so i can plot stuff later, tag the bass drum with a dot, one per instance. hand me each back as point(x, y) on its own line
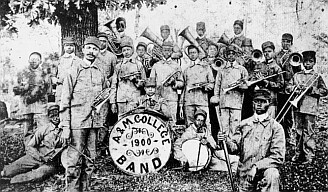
point(140, 143)
point(197, 154)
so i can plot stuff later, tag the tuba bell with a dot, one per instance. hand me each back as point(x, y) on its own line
point(224, 39)
point(257, 55)
point(187, 35)
point(218, 61)
point(295, 59)
point(112, 39)
point(157, 50)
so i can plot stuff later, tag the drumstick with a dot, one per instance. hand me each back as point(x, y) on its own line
point(226, 154)
point(200, 144)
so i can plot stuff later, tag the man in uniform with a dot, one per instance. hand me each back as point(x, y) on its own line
point(42, 154)
point(168, 77)
point(33, 90)
point(65, 64)
point(145, 59)
point(128, 80)
point(165, 34)
point(199, 81)
point(230, 102)
point(238, 27)
point(308, 106)
point(201, 36)
point(260, 142)
point(79, 119)
point(267, 68)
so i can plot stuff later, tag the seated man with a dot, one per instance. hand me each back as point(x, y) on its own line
point(260, 142)
point(197, 130)
point(152, 100)
point(41, 159)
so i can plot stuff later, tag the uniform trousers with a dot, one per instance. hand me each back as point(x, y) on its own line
point(78, 167)
point(230, 119)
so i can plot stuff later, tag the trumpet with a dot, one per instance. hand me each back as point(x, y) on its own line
point(101, 99)
point(233, 85)
point(250, 83)
point(198, 85)
point(299, 97)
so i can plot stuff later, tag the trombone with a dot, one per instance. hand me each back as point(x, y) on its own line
point(296, 100)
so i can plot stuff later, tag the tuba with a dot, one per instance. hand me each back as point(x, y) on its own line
point(157, 50)
point(257, 55)
point(218, 62)
point(295, 59)
point(187, 35)
point(112, 39)
point(224, 39)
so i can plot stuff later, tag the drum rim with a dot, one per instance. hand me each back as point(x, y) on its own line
point(208, 151)
point(170, 136)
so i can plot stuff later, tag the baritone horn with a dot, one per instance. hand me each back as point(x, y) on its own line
point(257, 55)
point(112, 38)
point(187, 35)
point(224, 39)
point(295, 59)
point(158, 43)
point(218, 61)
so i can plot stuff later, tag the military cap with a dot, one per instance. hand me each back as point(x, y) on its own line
point(102, 34)
point(287, 36)
point(200, 112)
point(52, 106)
point(247, 42)
point(233, 47)
point(167, 44)
point(127, 42)
point(200, 25)
point(150, 82)
point(68, 40)
point(92, 40)
point(308, 54)
point(164, 27)
point(268, 44)
point(261, 94)
point(142, 44)
point(240, 23)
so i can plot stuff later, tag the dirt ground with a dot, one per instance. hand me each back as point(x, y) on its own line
point(294, 176)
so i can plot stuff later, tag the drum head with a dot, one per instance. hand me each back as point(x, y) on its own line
point(140, 144)
point(190, 149)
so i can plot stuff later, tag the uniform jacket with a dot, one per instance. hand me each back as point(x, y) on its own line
point(283, 62)
point(203, 42)
point(275, 84)
point(108, 62)
point(126, 90)
point(160, 71)
point(82, 84)
point(198, 72)
point(226, 75)
point(190, 133)
point(309, 104)
point(238, 40)
point(45, 142)
point(154, 102)
point(259, 143)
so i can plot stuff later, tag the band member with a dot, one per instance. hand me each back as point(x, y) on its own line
point(145, 59)
point(152, 100)
point(201, 36)
point(79, 119)
point(197, 130)
point(199, 81)
point(33, 91)
point(128, 79)
point(42, 154)
point(108, 58)
point(266, 68)
point(260, 143)
point(238, 27)
point(65, 64)
point(165, 34)
point(168, 77)
point(282, 58)
point(313, 87)
point(230, 102)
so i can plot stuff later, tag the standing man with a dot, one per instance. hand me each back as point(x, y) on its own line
point(260, 143)
point(128, 80)
point(269, 67)
point(79, 119)
point(145, 59)
point(168, 77)
point(165, 34)
point(229, 103)
point(239, 37)
point(64, 65)
point(33, 88)
point(199, 81)
point(201, 36)
point(308, 107)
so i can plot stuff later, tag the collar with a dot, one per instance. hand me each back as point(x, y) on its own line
point(87, 64)
point(261, 118)
point(103, 51)
point(126, 60)
point(168, 61)
point(239, 35)
point(308, 71)
point(67, 55)
point(202, 37)
point(196, 62)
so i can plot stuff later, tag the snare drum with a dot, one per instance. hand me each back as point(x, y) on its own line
point(191, 148)
point(140, 143)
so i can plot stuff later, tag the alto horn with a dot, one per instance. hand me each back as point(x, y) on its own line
point(187, 35)
point(152, 37)
point(295, 59)
point(257, 55)
point(224, 39)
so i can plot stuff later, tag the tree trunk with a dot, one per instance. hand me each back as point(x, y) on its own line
point(78, 22)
